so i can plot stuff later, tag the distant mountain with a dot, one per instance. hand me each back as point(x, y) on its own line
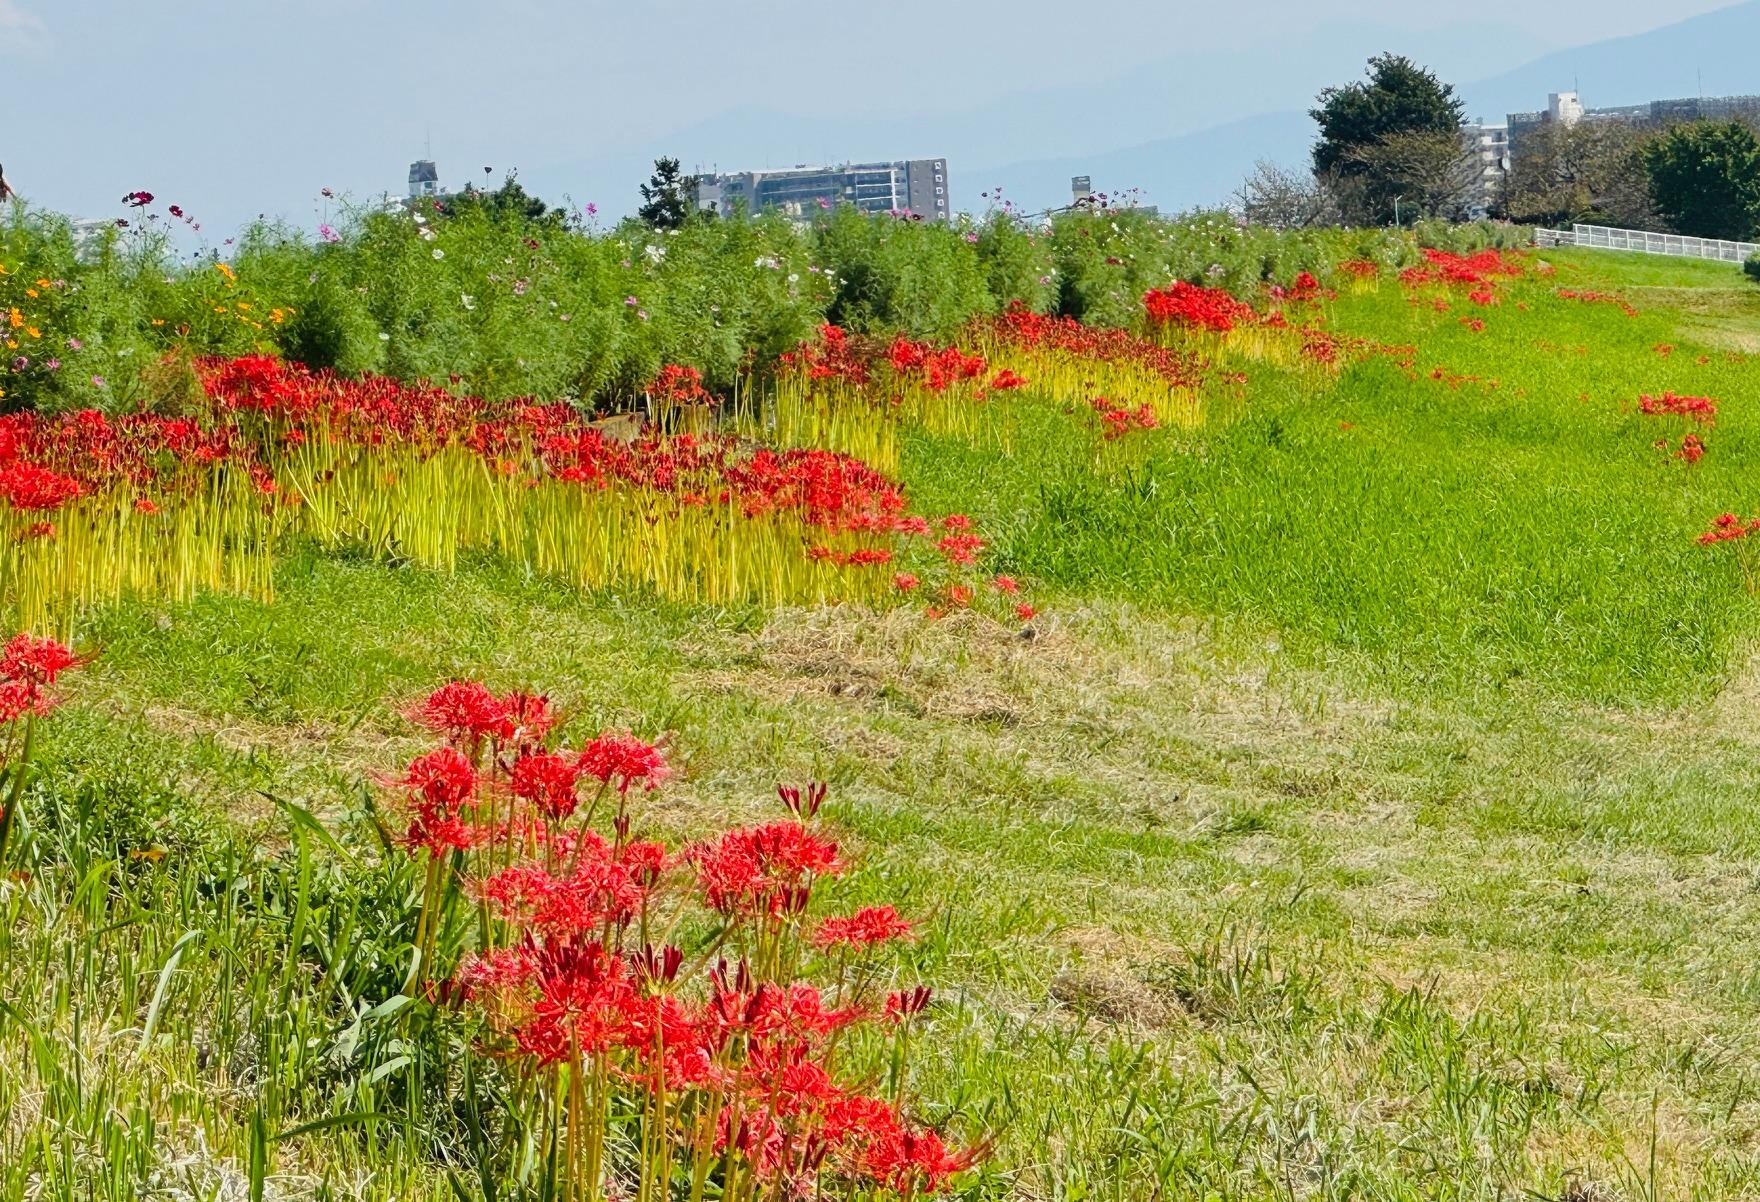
point(1204, 168)
point(1720, 48)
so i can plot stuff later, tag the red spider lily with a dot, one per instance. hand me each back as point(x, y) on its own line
point(464, 712)
point(1025, 612)
point(1021, 329)
point(679, 385)
point(1727, 527)
point(1692, 449)
point(961, 548)
point(625, 760)
point(1702, 410)
point(905, 582)
point(37, 661)
point(598, 892)
point(866, 928)
point(1305, 289)
point(1486, 267)
point(29, 666)
point(1597, 298)
point(28, 487)
point(907, 1003)
point(1200, 308)
point(766, 870)
point(1116, 420)
point(598, 1020)
point(530, 716)
point(548, 781)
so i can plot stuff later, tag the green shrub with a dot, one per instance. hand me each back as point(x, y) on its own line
point(1752, 266)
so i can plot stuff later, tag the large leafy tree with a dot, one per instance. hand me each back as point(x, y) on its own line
point(1370, 129)
point(1705, 179)
point(666, 203)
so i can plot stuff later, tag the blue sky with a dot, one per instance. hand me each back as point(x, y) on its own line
point(239, 106)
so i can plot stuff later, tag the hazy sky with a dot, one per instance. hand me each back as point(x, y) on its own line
point(232, 98)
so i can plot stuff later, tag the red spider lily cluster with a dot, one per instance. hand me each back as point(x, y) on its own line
point(668, 992)
point(1690, 451)
point(201, 500)
point(1697, 409)
point(1477, 271)
point(1589, 297)
point(30, 667)
point(1195, 307)
point(1063, 342)
point(832, 357)
point(537, 442)
point(279, 447)
point(1728, 527)
point(1116, 420)
point(1362, 269)
point(677, 384)
point(1304, 289)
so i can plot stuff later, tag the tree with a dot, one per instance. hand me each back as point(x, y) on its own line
point(1281, 199)
point(1354, 157)
point(1587, 171)
point(1705, 179)
point(508, 204)
point(666, 202)
point(1429, 173)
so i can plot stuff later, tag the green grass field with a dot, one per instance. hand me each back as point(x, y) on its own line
point(1368, 814)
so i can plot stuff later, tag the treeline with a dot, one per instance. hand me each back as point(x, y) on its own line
point(508, 299)
point(1391, 147)
point(1700, 177)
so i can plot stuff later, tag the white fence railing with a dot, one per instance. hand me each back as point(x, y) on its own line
point(1607, 238)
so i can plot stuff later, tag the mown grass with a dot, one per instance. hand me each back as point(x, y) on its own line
point(1370, 815)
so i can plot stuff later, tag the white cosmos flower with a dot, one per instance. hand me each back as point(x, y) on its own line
point(438, 253)
point(468, 301)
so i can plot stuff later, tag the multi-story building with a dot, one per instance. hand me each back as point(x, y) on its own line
point(915, 186)
point(1487, 150)
point(424, 179)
